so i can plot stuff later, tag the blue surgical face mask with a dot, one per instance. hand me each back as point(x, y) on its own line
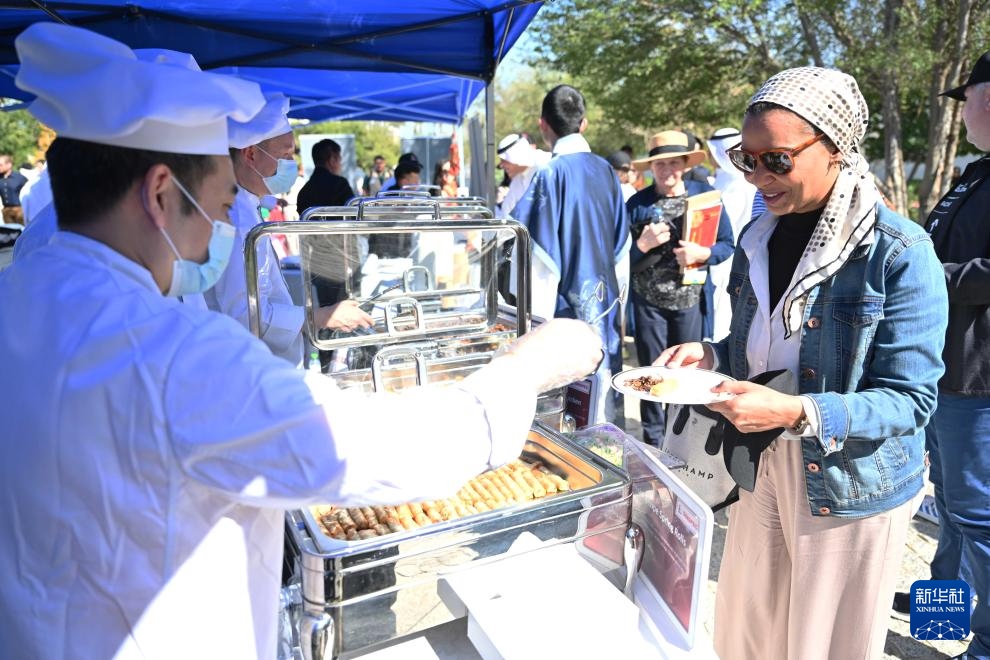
point(286, 172)
point(189, 277)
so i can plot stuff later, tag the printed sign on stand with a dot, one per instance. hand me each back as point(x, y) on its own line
point(677, 528)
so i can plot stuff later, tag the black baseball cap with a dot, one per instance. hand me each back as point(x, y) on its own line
point(619, 160)
point(980, 73)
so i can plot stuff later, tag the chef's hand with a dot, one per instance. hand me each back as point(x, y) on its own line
point(691, 355)
point(691, 254)
point(757, 408)
point(345, 315)
point(555, 354)
point(653, 235)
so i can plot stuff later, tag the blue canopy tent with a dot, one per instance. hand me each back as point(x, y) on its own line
point(335, 59)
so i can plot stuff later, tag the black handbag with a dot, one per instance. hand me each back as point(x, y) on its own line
point(720, 459)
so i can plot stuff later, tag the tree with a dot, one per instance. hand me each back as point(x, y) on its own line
point(682, 63)
point(19, 135)
point(698, 61)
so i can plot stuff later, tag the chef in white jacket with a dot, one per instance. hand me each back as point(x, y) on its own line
point(150, 446)
point(261, 153)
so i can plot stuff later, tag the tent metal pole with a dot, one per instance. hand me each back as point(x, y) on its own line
point(491, 192)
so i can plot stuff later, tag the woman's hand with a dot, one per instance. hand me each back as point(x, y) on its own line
point(691, 254)
point(689, 355)
point(346, 315)
point(654, 235)
point(757, 408)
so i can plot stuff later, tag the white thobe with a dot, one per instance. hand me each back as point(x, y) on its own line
point(517, 188)
point(149, 449)
point(281, 319)
point(737, 197)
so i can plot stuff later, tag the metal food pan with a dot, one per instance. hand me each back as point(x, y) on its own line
point(582, 470)
point(355, 588)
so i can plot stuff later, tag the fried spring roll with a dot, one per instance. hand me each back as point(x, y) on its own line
point(504, 477)
point(548, 485)
point(472, 494)
point(334, 530)
point(382, 512)
point(369, 515)
point(358, 517)
point(367, 534)
point(534, 483)
point(524, 485)
point(433, 513)
point(408, 523)
point(352, 534)
point(561, 483)
point(421, 519)
point(345, 520)
point(403, 511)
point(324, 510)
point(397, 526)
point(447, 510)
point(380, 529)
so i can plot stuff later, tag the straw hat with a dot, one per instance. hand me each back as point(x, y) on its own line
point(670, 144)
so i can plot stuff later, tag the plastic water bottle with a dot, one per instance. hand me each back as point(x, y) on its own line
point(314, 362)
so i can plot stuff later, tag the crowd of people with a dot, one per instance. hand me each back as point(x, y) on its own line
point(146, 422)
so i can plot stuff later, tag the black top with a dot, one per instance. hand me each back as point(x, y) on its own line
point(785, 248)
point(324, 188)
point(656, 276)
point(961, 233)
point(10, 188)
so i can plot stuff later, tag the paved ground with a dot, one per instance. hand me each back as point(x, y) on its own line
point(921, 543)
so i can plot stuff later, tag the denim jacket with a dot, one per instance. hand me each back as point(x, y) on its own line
point(870, 359)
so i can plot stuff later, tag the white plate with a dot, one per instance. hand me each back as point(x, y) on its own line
point(693, 385)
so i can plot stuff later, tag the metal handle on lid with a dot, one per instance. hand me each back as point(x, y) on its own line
point(386, 355)
point(392, 311)
point(407, 278)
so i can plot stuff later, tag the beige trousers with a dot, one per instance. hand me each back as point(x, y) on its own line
point(793, 586)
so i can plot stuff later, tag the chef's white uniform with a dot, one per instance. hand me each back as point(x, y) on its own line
point(149, 448)
point(281, 320)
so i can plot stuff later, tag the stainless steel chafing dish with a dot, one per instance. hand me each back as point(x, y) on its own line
point(350, 587)
point(424, 333)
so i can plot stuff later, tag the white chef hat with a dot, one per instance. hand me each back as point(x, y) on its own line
point(166, 56)
point(92, 88)
point(270, 122)
point(517, 150)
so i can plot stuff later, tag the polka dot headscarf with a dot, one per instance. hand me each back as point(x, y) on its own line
point(827, 98)
point(832, 102)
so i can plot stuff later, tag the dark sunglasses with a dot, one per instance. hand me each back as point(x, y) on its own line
point(778, 161)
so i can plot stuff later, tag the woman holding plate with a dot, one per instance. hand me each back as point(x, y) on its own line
point(850, 298)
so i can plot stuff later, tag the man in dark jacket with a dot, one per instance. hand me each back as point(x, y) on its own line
point(334, 261)
point(958, 437)
point(325, 187)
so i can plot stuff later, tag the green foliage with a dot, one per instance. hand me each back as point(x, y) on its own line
point(694, 63)
point(371, 137)
point(683, 63)
point(19, 133)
